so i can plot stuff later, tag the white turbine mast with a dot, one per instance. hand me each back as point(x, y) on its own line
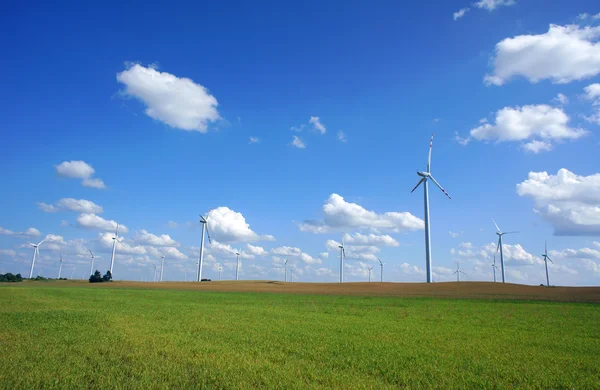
point(112, 258)
point(546, 259)
point(494, 267)
point(92, 265)
point(154, 278)
point(500, 233)
point(36, 252)
point(285, 267)
point(342, 257)
point(237, 267)
point(219, 268)
point(458, 272)
point(381, 265)
point(204, 222)
point(162, 267)
point(425, 177)
point(292, 274)
point(370, 271)
point(60, 266)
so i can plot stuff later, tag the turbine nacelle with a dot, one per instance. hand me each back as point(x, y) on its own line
point(423, 174)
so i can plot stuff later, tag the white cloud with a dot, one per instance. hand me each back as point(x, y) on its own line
point(324, 255)
point(569, 202)
point(561, 99)
point(466, 245)
point(341, 215)
point(341, 136)
point(318, 126)
point(254, 140)
point(146, 238)
point(78, 169)
point(592, 93)
point(48, 208)
point(298, 129)
point(462, 141)
point(178, 102)
point(491, 5)
point(30, 232)
point(370, 239)
point(168, 252)
point(80, 206)
point(93, 221)
point(562, 55)
point(227, 225)
point(105, 241)
point(285, 251)
point(297, 142)
point(585, 16)
point(538, 123)
point(7, 252)
point(64, 223)
point(460, 13)
point(454, 234)
point(256, 250)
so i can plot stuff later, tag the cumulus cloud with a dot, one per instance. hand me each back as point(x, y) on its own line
point(491, 5)
point(71, 204)
point(30, 232)
point(317, 125)
point(540, 124)
point(177, 101)
point(93, 221)
point(341, 215)
point(146, 238)
point(563, 54)
point(168, 252)
point(105, 241)
point(78, 169)
point(227, 225)
point(592, 93)
point(287, 251)
point(561, 99)
point(460, 13)
point(297, 142)
point(370, 239)
point(256, 250)
point(569, 202)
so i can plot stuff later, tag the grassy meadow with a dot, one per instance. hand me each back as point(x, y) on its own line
point(57, 336)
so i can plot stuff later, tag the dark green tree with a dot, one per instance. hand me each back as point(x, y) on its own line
point(96, 277)
point(107, 277)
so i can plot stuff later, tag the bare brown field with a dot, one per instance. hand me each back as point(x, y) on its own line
point(470, 290)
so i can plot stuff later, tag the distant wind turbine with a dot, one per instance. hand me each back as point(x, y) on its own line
point(425, 177)
point(370, 271)
point(237, 268)
point(458, 272)
point(204, 222)
point(154, 278)
point(546, 259)
point(292, 274)
point(381, 265)
point(60, 267)
point(92, 266)
point(115, 240)
point(219, 268)
point(499, 247)
point(162, 267)
point(342, 256)
point(36, 252)
point(285, 264)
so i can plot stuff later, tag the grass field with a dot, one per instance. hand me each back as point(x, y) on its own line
point(66, 335)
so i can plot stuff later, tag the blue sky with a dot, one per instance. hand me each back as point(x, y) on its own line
point(182, 109)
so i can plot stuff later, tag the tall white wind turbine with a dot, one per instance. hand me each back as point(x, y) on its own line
point(500, 233)
point(370, 271)
point(458, 272)
point(285, 267)
point(237, 267)
point(546, 259)
point(36, 252)
point(342, 256)
point(425, 177)
point(60, 267)
point(112, 257)
point(162, 267)
point(92, 265)
point(204, 222)
point(381, 265)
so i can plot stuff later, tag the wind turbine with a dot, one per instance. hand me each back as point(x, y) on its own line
point(115, 240)
point(494, 267)
point(219, 268)
point(237, 268)
point(204, 222)
point(370, 270)
point(425, 176)
point(292, 272)
point(500, 234)
point(458, 272)
point(342, 256)
point(36, 251)
point(60, 267)
point(154, 278)
point(162, 267)
point(92, 266)
point(285, 264)
point(546, 258)
point(381, 265)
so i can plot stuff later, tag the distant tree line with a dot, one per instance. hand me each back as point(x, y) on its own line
point(98, 278)
point(11, 277)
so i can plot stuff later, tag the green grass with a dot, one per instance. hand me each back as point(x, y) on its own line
point(76, 337)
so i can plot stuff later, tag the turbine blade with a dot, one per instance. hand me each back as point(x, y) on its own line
point(509, 232)
point(40, 243)
point(440, 187)
point(32, 244)
point(208, 234)
point(429, 158)
point(497, 248)
point(418, 184)
point(497, 228)
point(549, 259)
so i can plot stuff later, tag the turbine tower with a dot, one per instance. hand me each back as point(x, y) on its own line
point(204, 222)
point(237, 268)
point(36, 252)
point(370, 271)
point(458, 272)
point(162, 267)
point(292, 274)
point(494, 267)
point(285, 267)
point(115, 240)
point(342, 256)
point(381, 265)
point(92, 266)
point(425, 177)
point(546, 259)
point(154, 278)
point(499, 247)
point(60, 267)
point(219, 268)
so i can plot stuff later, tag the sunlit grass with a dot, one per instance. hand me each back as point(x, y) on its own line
point(76, 337)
